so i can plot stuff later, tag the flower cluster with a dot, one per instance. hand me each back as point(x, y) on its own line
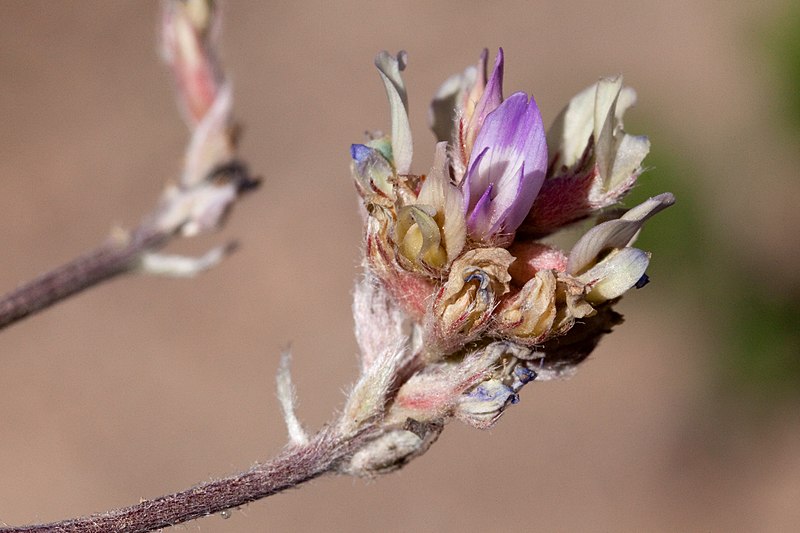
point(465, 297)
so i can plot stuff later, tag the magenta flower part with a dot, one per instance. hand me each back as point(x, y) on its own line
point(506, 169)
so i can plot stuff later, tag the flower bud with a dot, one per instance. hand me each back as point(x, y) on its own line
point(482, 101)
point(603, 260)
point(529, 314)
point(374, 175)
point(506, 169)
point(431, 233)
point(456, 98)
point(483, 405)
point(391, 451)
point(464, 304)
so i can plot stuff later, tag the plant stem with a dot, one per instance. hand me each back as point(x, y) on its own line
point(114, 257)
point(294, 466)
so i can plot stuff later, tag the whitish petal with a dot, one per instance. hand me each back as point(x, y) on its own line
point(446, 199)
point(614, 233)
point(572, 128)
point(584, 116)
point(614, 275)
point(484, 404)
point(418, 237)
point(390, 68)
point(630, 152)
point(447, 101)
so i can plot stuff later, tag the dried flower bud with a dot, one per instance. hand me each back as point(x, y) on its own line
point(465, 303)
point(571, 303)
point(529, 314)
point(484, 404)
point(391, 451)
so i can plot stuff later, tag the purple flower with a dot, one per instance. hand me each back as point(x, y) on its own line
point(506, 169)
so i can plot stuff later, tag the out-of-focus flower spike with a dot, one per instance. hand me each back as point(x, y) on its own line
point(212, 144)
point(614, 233)
point(189, 32)
point(618, 272)
point(389, 67)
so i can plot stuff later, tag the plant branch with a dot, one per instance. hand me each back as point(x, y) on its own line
point(294, 466)
point(211, 181)
point(114, 257)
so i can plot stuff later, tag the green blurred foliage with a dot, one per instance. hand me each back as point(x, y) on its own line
point(752, 321)
point(781, 39)
point(754, 329)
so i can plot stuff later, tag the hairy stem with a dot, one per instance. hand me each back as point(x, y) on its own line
point(294, 466)
point(114, 257)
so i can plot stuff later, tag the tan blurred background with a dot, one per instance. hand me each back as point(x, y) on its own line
point(685, 419)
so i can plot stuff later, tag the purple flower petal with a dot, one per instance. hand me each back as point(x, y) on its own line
point(480, 219)
point(510, 155)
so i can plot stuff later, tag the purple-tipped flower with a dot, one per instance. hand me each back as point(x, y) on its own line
point(506, 169)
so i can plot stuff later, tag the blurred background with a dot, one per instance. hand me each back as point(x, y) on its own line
point(685, 419)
